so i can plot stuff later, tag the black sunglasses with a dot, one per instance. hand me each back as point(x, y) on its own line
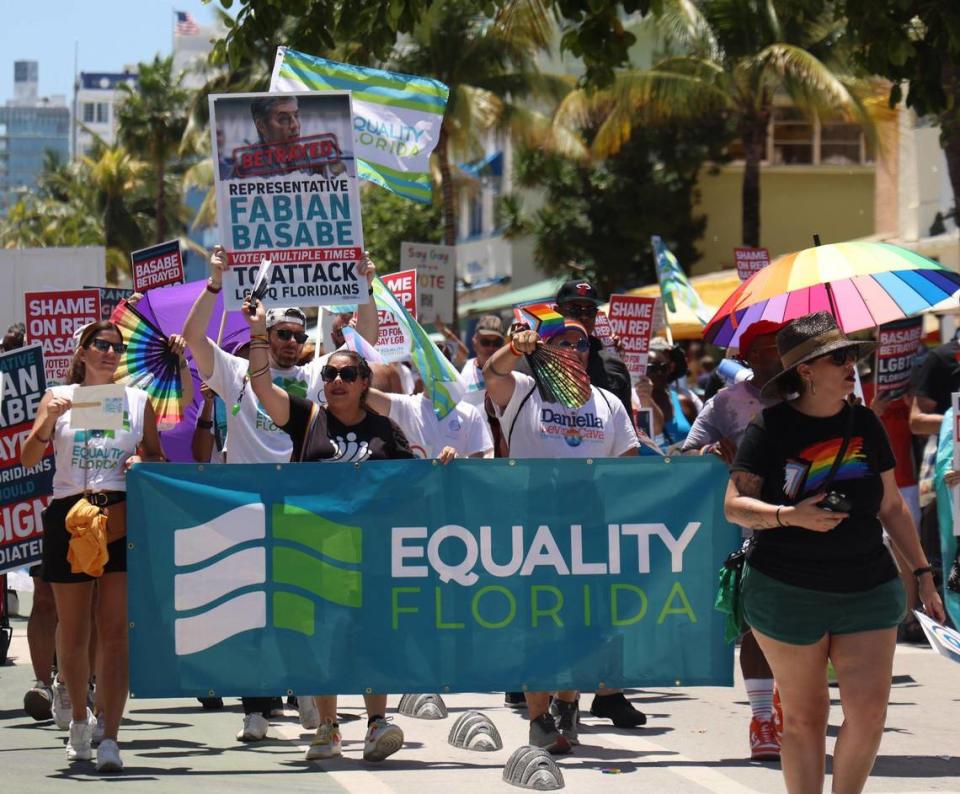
point(575, 310)
point(488, 341)
point(347, 374)
point(104, 346)
point(842, 356)
point(657, 367)
point(285, 335)
point(581, 345)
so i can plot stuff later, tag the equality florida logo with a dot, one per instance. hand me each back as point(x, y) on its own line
point(232, 575)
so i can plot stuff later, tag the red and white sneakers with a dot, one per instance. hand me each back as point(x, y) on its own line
point(764, 740)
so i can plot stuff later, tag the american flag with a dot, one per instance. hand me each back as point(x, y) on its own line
point(186, 24)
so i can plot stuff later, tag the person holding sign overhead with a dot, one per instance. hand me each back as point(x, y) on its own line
point(91, 465)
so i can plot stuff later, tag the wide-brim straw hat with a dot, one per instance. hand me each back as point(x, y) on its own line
point(807, 338)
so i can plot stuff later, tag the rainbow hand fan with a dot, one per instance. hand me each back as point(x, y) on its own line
point(150, 365)
point(559, 375)
point(541, 317)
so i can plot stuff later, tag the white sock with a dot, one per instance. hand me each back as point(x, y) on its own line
point(760, 694)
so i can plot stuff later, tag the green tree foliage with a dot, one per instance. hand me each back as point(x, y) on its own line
point(601, 215)
point(389, 220)
point(915, 43)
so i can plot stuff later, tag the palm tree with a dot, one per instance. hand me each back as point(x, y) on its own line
point(488, 67)
point(151, 124)
point(734, 56)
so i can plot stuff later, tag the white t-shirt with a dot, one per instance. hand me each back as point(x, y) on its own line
point(464, 428)
point(252, 437)
point(474, 387)
point(601, 428)
point(93, 459)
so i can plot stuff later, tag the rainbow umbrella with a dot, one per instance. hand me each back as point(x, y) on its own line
point(863, 285)
point(150, 365)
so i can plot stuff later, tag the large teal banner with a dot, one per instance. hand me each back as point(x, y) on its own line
point(405, 576)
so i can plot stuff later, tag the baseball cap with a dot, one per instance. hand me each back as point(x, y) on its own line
point(289, 315)
point(759, 328)
point(578, 289)
point(489, 325)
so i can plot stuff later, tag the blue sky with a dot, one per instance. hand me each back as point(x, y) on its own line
point(110, 33)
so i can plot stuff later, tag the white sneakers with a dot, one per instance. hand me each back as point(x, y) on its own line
point(81, 736)
point(383, 739)
point(309, 713)
point(254, 728)
point(326, 744)
point(62, 707)
point(108, 756)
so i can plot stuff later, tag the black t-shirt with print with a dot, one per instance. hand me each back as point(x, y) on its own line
point(793, 453)
point(327, 439)
point(939, 375)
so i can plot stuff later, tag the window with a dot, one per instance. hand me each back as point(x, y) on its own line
point(840, 144)
point(476, 215)
point(103, 112)
point(793, 137)
point(88, 111)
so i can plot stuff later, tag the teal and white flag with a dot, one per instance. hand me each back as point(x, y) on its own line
point(396, 117)
point(674, 286)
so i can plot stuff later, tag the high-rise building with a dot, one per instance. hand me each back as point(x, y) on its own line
point(95, 104)
point(30, 127)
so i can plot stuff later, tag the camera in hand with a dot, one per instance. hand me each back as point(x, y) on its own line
point(835, 503)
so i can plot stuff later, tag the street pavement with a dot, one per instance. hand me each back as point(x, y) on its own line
point(695, 742)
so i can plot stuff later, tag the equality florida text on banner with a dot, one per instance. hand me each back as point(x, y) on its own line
point(397, 117)
point(23, 492)
point(286, 185)
point(479, 576)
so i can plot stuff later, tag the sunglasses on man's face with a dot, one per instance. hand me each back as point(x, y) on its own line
point(575, 310)
point(285, 335)
point(581, 345)
point(347, 374)
point(490, 341)
point(842, 357)
point(657, 368)
point(104, 346)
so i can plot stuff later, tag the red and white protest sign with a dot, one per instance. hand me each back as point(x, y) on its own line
point(602, 330)
point(632, 319)
point(897, 346)
point(750, 261)
point(157, 266)
point(51, 319)
point(392, 343)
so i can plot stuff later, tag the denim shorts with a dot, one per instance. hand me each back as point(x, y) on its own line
point(800, 616)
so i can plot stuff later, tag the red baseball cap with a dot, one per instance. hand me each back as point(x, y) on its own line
point(759, 328)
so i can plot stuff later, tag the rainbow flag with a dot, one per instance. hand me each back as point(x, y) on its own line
point(541, 317)
point(441, 381)
point(396, 117)
point(674, 286)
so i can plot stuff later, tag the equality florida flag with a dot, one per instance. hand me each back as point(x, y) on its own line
point(397, 117)
point(674, 287)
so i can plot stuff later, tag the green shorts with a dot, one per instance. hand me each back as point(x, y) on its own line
point(800, 616)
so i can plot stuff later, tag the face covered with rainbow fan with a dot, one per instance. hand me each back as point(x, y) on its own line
point(573, 338)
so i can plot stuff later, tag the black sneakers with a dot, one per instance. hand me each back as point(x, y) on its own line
point(618, 709)
point(953, 580)
point(544, 734)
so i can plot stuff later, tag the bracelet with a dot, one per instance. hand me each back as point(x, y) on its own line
point(779, 522)
point(261, 337)
point(370, 290)
point(264, 368)
point(213, 290)
point(921, 571)
point(43, 440)
point(205, 424)
point(514, 350)
point(493, 369)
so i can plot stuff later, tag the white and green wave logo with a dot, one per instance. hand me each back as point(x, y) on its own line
point(223, 584)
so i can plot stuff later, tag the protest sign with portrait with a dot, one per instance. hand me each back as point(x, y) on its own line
point(286, 186)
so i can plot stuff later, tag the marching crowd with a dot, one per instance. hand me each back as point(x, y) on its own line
point(827, 489)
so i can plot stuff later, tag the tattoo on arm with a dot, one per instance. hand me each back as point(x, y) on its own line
point(747, 509)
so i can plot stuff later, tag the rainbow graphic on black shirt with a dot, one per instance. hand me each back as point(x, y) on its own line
point(821, 456)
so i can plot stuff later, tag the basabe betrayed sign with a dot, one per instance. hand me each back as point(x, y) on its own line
point(632, 318)
point(157, 266)
point(589, 572)
point(23, 492)
point(52, 318)
point(286, 187)
point(898, 344)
